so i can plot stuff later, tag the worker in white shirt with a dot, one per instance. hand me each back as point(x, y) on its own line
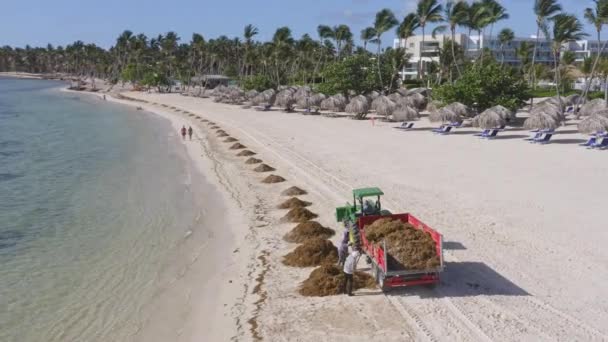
point(350, 266)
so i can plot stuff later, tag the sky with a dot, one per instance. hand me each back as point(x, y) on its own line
point(60, 22)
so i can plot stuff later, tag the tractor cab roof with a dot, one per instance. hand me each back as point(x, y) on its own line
point(367, 192)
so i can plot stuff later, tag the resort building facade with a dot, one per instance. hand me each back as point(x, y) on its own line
point(473, 45)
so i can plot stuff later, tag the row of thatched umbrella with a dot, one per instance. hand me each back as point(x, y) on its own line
point(403, 104)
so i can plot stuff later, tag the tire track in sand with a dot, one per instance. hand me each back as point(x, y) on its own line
point(414, 318)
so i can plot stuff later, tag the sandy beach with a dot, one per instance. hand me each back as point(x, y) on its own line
point(521, 223)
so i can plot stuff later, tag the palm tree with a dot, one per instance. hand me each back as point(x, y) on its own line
point(282, 42)
point(456, 13)
point(566, 28)
point(385, 20)
point(544, 9)
point(505, 36)
point(342, 35)
point(524, 53)
point(427, 11)
point(367, 34)
point(597, 17)
point(496, 12)
point(479, 19)
point(249, 32)
point(406, 30)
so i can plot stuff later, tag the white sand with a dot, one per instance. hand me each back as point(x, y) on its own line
point(524, 228)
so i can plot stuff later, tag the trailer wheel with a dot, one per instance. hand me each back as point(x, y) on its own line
point(383, 287)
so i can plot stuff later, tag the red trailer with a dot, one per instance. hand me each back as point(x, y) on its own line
point(389, 278)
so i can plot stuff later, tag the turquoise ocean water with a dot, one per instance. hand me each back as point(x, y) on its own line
point(96, 200)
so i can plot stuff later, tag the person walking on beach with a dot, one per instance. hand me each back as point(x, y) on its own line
point(184, 132)
point(350, 267)
point(190, 132)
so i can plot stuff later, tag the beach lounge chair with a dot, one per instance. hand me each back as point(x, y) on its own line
point(491, 134)
point(482, 134)
point(405, 125)
point(538, 133)
point(443, 130)
point(600, 144)
point(592, 140)
point(544, 139)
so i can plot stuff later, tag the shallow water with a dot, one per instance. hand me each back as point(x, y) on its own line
point(96, 202)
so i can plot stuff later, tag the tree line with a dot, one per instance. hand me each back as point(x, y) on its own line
point(308, 60)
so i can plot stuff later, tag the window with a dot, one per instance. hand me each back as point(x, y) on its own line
point(411, 45)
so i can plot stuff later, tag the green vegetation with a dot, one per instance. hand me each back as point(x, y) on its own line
point(550, 92)
point(484, 86)
point(257, 82)
point(357, 73)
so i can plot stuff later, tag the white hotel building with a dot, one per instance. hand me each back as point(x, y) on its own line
point(474, 44)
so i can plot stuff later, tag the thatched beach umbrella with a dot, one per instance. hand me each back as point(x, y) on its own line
point(336, 103)
point(592, 106)
point(541, 121)
point(302, 92)
point(402, 91)
point(235, 95)
point(488, 119)
point(405, 114)
point(422, 91)
point(251, 94)
point(286, 99)
point(433, 106)
point(318, 97)
point(267, 97)
point(395, 97)
point(418, 100)
point(445, 114)
point(380, 100)
point(313, 100)
point(358, 105)
point(383, 106)
point(373, 95)
point(504, 112)
point(550, 109)
point(460, 109)
point(593, 123)
point(603, 112)
point(406, 102)
point(559, 102)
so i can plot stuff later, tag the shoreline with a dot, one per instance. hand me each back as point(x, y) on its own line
point(211, 291)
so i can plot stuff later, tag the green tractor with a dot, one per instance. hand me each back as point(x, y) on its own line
point(366, 202)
